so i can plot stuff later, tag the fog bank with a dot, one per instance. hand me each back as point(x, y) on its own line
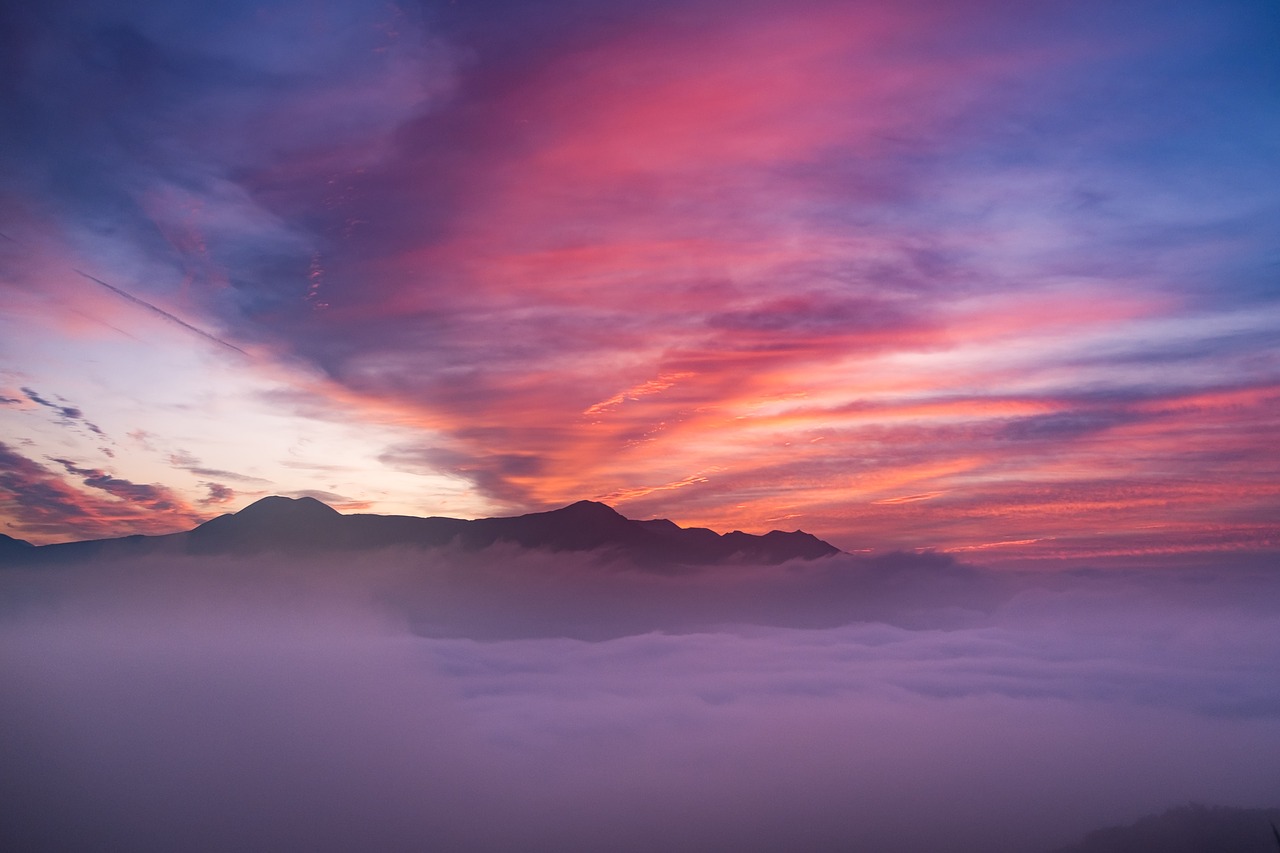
point(508, 700)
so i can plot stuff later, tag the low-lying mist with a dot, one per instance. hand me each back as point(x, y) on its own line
point(508, 700)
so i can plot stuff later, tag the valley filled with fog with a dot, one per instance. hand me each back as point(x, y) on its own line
point(509, 699)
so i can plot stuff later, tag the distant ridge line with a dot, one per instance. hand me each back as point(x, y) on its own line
point(309, 526)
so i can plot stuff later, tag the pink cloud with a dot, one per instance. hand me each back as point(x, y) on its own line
point(43, 506)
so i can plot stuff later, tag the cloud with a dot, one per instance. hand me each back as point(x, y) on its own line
point(660, 217)
point(500, 475)
point(529, 596)
point(36, 398)
point(68, 414)
point(162, 313)
point(43, 505)
point(187, 462)
point(828, 255)
point(153, 497)
point(1061, 426)
point(257, 704)
point(218, 494)
point(644, 389)
point(34, 495)
point(342, 503)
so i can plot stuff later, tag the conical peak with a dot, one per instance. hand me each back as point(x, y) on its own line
point(277, 506)
point(589, 509)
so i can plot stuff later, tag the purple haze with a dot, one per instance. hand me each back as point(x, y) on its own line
point(252, 705)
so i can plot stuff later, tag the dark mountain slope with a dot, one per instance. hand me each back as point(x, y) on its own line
point(16, 547)
point(305, 525)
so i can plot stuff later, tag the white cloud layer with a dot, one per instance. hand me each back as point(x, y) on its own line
point(257, 706)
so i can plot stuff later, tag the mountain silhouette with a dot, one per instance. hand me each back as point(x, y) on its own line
point(308, 526)
point(10, 546)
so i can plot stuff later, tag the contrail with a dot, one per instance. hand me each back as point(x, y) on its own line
point(165, 314)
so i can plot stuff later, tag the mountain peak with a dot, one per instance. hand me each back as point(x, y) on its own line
point(302, 521)
point(280, 507)
point(589, 509)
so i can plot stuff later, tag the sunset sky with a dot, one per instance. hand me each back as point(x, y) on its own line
point(1000, 279)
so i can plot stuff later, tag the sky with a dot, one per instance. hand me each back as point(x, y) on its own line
point(996, 279)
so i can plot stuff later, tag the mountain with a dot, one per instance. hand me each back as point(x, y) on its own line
point(1189, 829)
point(10, 546)
point(305, 525)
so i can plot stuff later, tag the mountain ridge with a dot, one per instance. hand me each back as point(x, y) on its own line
point(309, 526)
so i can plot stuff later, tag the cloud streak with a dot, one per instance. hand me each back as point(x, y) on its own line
point(160, 312)
point(68, 414)
point(153, 497)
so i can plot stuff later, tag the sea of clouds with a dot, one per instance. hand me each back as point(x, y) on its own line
point(522, 701)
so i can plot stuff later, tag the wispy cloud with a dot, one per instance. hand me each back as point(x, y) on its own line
point(44, 505)
point(840, 254)
point(187, 462)
point(153, 497)
point(218, 494)
point(68, 414)
point(160, 312)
